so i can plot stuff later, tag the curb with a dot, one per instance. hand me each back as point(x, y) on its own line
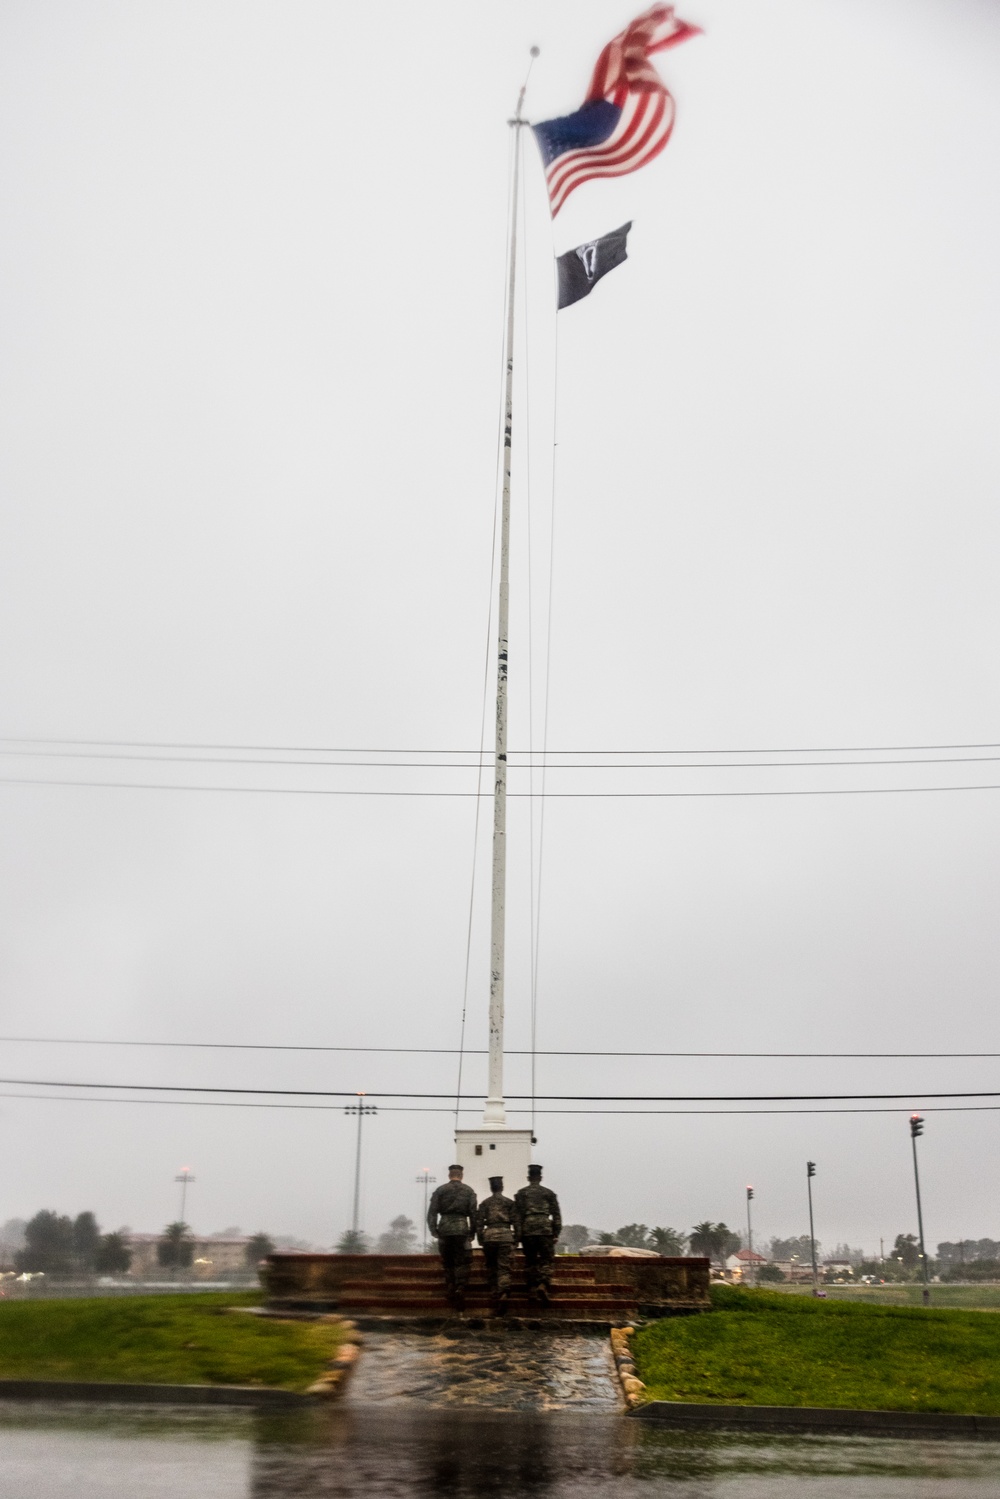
point(149, 1394)
point(332, 1381)
point(340, 1367)
point(819, 1419)
point(632, 1385)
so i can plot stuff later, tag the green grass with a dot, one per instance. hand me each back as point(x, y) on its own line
point(983, 1298)
point(161, 1340)
point(764, 1348)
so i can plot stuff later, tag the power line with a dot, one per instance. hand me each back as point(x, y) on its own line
point(336, 1108)
point(35, 1082)
point(451, 1051)
point(464, 795)
point(533, 763)
point(307, 749)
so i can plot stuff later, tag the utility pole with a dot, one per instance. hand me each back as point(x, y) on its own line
point(426, 1178)
point(184, 1178)
point(361, 1109)
point(810, 1173)
point(750, 1269)
point(917, 1129)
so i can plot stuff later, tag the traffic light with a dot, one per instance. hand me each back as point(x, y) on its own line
point(749, 1193)
point(810, 1168)
point(916, 1126)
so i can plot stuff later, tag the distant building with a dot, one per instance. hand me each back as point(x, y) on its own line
point(834, 1268)
point(796, 1269)
point(213, 1258)
point(743, 1263)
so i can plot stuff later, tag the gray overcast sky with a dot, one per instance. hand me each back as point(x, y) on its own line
point(252, 270)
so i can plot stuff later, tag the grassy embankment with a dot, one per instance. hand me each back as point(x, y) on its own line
point(161, 1340)
point(759, 1348)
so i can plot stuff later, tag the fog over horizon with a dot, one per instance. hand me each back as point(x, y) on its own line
point(251, 303)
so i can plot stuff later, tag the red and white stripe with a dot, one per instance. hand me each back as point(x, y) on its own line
point(625, 77)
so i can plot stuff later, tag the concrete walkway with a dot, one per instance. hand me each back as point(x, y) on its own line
point(502, 1370)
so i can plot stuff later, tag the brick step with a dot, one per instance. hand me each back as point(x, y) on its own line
point(393, 1277)
point(434, 1270)
point(420, 1263)
point(560, 1316)
point(615, 1295)
point(477, 1277)
point(369, 1296)
point(585, 1311)
point(473, 1297)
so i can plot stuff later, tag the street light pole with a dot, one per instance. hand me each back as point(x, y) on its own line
point(426, 1178)
point(917, 1129)
point(184, 1177)
point(750, 1269)
point(810, 1173)
point(361, 1109)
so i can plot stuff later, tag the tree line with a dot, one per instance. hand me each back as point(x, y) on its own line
point(55, 1244)
point(715, 1240)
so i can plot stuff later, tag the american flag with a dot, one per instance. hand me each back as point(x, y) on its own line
point(627, 116)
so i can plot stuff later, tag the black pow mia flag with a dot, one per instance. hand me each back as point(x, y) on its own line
point(582, 268)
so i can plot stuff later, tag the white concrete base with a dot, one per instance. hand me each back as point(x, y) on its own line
point(486, 1152)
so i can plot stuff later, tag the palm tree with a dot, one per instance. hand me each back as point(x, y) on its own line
point(726, 1242)
point(715, 1240)
point(258, 1247)
point(702, 1240)
point(175, 1249)
point(666, 1241)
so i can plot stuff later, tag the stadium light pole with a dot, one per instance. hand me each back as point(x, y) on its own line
point(750, 1268)
point(917, 1129)
point(184, 1177)
point(361, 1109)
point(426, 1178)
point(810, 1173)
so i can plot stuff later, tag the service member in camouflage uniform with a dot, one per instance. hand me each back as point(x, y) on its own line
point(496, 1230)
point(451, 1219)
point(539, 1224)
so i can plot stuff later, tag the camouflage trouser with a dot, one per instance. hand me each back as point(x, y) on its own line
point(539, 1252)
point(456, 1257)
point(498, 1258)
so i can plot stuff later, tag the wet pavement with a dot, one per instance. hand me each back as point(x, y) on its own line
point(413, 1453)
point(487, 1413)
point(494, 1369)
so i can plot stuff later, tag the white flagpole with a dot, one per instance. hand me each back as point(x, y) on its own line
point(495, 1112)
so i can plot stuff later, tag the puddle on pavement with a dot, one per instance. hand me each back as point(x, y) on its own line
point(462, 1453)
